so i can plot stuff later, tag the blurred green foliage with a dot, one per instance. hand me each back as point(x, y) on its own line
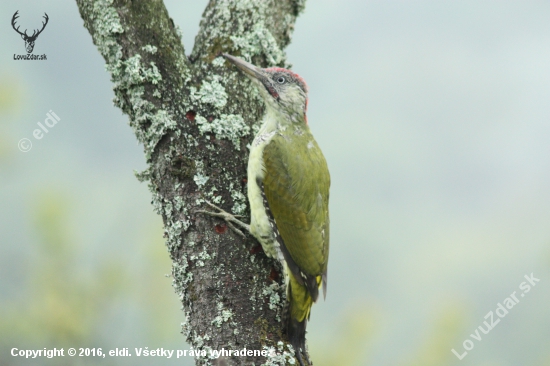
point(69, 303)
point(359, 328)
point(10, 92)
point(62, 307)
point(10, 97)
point(445, 335)
point(349, 344)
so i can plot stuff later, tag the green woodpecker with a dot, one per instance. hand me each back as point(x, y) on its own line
point(288, 190)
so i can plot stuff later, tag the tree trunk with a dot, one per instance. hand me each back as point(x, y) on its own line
point(195, 117)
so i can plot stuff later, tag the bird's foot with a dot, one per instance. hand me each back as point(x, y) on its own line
point(229, 218)
point(298, 352)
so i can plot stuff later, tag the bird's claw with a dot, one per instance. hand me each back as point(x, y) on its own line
point(230, 219)
point(237, 230)
point(299, 354)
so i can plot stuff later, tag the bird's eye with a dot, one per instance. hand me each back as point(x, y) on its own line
point(281, 80)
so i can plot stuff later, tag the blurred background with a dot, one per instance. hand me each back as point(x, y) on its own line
point(434, 117)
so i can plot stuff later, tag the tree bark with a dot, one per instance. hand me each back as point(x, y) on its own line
point(195, 117)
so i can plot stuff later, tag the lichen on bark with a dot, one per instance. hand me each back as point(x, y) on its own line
point(195, 117)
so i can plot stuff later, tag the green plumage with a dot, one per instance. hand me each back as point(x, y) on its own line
point(296, 186)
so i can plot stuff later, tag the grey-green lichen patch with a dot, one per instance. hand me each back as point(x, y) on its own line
point(186, 224)
point(150, 123)
point(202, 351)
point(185, 326)
point(200, 178)
point(168, 208)
point(129, 76)
point(217, 199)
point(278, 356)
point(181, 278)
point(106, 24)
point(210, 93)
point(239, 206)
point(150, 49)
point(227, 126)
point(239, 201)
point(273, 292)
point(259, 40)
point(174, 230)
point(200, 258)
point(245, 26)
point(131, 72)
point(161, 122)
point(179, 32)
point(212, 197)
point(299, 5)
point(218, 62)
point(144, 175)
point(173, 225)
point(180, 205)
point(157, 202)
point(223, 315)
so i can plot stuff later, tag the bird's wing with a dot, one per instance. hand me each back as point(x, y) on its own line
point(296, 187)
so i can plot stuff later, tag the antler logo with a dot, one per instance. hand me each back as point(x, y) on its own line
point(29, 40)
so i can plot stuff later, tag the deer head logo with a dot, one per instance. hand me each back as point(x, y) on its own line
point(29, 40)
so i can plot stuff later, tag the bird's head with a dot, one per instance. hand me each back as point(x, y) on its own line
point(282, 90)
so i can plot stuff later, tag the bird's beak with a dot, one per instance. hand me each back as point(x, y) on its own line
point(249, 69)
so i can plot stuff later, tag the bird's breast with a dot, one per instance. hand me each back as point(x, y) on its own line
point(260, 226)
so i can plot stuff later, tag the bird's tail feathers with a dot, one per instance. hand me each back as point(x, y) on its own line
point(297, 312)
